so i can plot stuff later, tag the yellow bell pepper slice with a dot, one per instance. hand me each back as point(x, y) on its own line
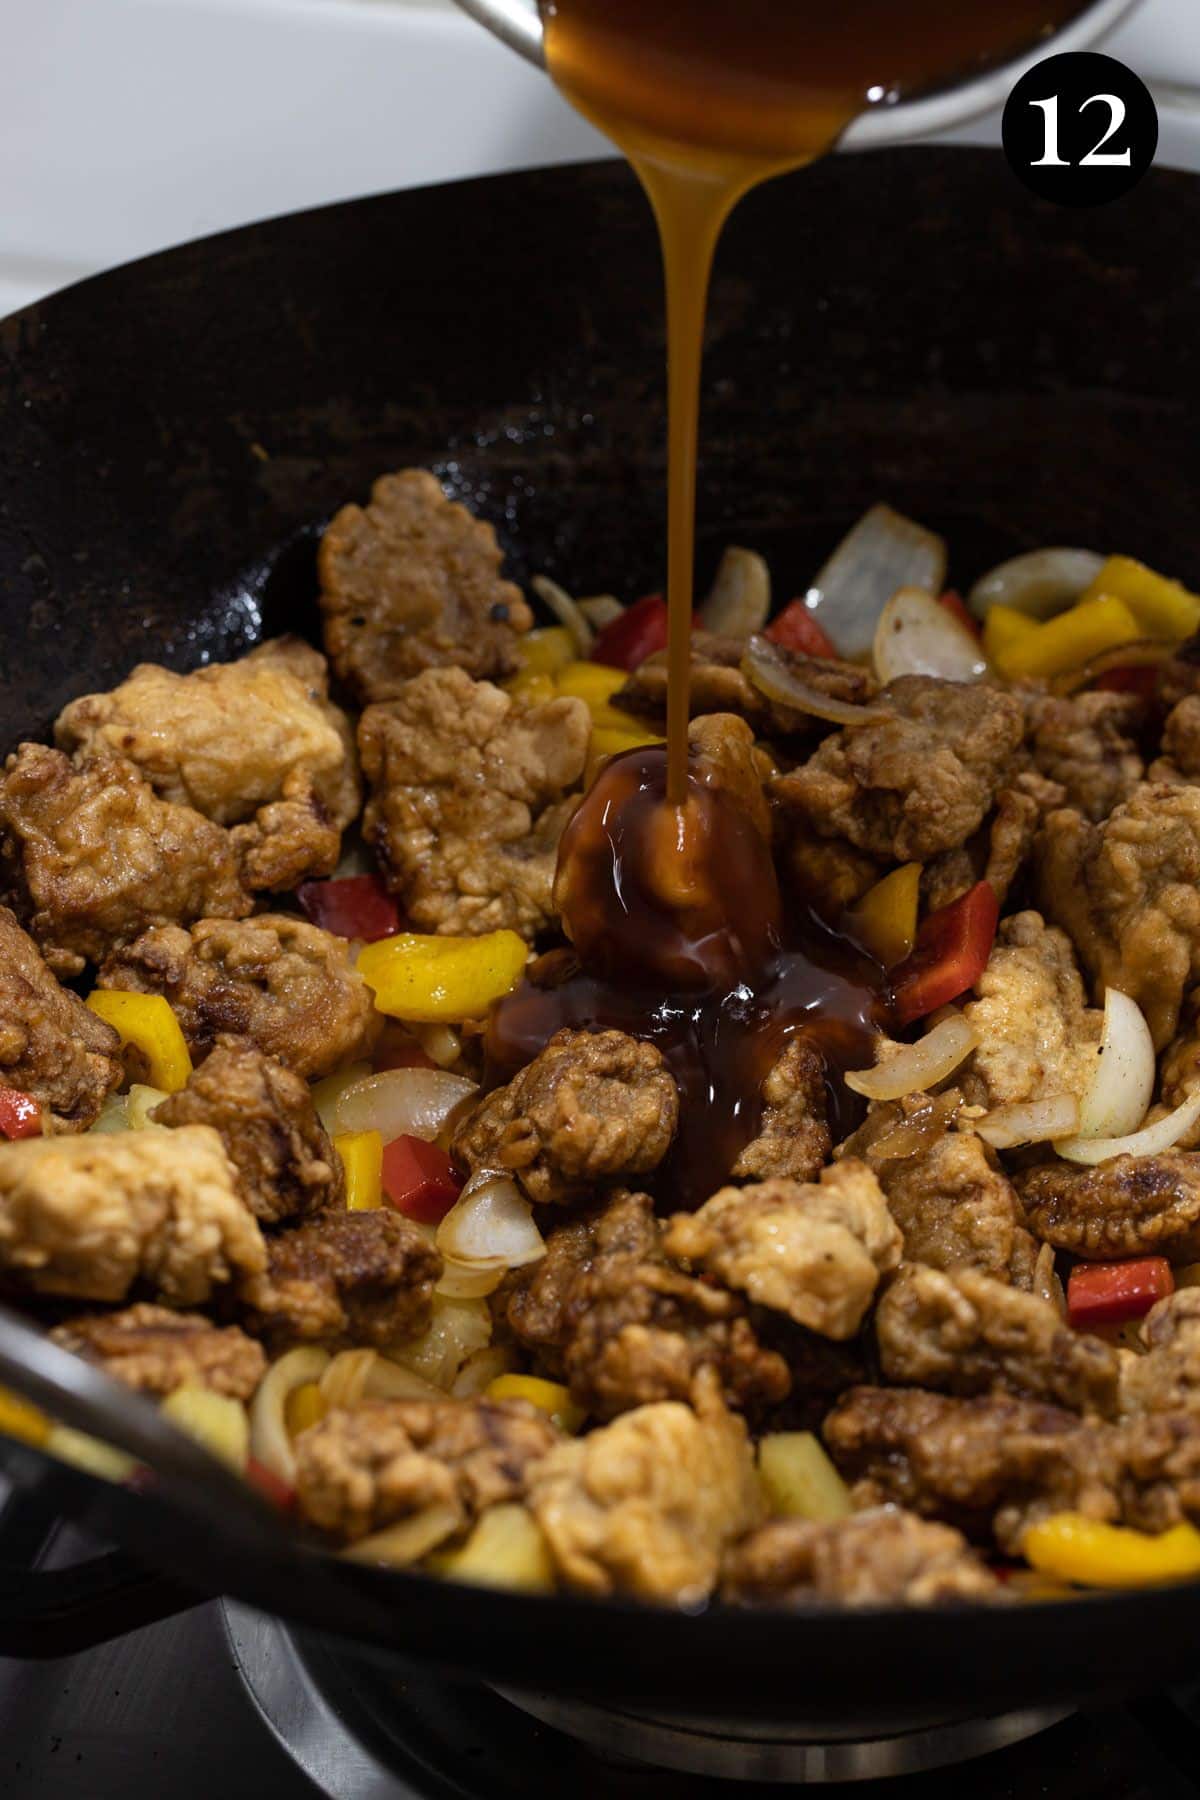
point(799, 1478)
point(546, 650)
point(362, 1159)
point(596, 683)
point(1163, 608)
point(217, 1421)
point(20, 1420)
point(886, 916)
point(1076, 1548)
point(304, 1406)
point(1004, 626)
point(532, 687)
point(147, 1022)
point(1071, 639)
point(442, 980)
point(550, 1396)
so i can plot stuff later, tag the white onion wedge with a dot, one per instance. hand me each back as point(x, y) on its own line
point(567, 612)
point(1119, 1092)
point(327, 1093)
point(406, 1543)
point(883, 552)
point(270, 1439)
point(765, 669)
point(739, 601)
point(1151, 1140)
point(441, 1043)
point(1029, 1122)
point(357, 1375)
point(401, 1103)
point(601, 609)
point(917, 1067)
point(917, 636)
point(469, 1281)
point(491, 1223)
point(481, 1368)
point(457, 1329)
point(1040, 583)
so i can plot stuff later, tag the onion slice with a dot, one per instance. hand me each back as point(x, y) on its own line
point(406, 1543)
point(270, 1439)
point(566, 611)
point(601, 609)
point(765, 668)
point(1162, 1134)
point(491, 1224)
point(1140, 653)
point(917, 1067)
point(469, 1281)
point(916, 636)
point(883, 552)
point(1040, 583)
point(401, 1103)
point(1029, 1121)
point(1119, 1092)
point(739, 601)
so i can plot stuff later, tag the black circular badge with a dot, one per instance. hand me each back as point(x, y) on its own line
point(1080, 129)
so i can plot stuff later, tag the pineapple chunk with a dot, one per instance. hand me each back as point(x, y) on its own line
point(214, 1420)
point(506, 1550)
point(800, 1480)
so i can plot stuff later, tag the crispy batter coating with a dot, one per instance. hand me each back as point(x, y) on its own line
point(51, 1045)
point(1127, 892)
point(288, 986)
point(646, 1505)
point(411, 582)
point(470, 791)
point(288, 841)
point(1088, 744)
point(882, 1557)
point(90, 856)
point(1180, 759)
point(1166, 1375)
point(592, 1107)
point(964, 1333)
point(90, 1217)
point(812, 1250)
point(344, 1278)
point(156, 1350)
point(793, 1138)
point(724, 755)
point(359, 1470)
point(718, 686)
point(285, 1163)
point(1128, 1206)
point(1037, 1035)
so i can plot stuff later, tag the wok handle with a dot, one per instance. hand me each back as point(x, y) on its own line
point(59, 1612)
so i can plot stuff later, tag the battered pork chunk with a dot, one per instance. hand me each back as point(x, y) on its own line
point(1166, 1376)
point(882, 1557)
point(289, 987)
point(91, 1217)
point(1180, 759)
point(1179, 1070)
point(1128, 1206)
point(51, 1045)
point(413, 581)
point(812, 1250)
point(285, 1163)
point(592, 1107)
point(724, 755)
point(288, 841)
point(1088, 744)
point(344, 1278)
point(90, 856)
point(719, 686)
point(909, 787)
point(605, 1310)
point(156, 1350)
point(964, 1333)
point(1127, 892)
point(793, 1138)
point(470, 790)
point(1037, 1035)
point(383, 1461)
point(647, 1505)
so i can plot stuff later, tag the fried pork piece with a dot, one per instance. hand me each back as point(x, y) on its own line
point(1037, 1035)
point(411, 582)
point(90, 856)
point(1166, 1376)
point(289, 841)
point(882, 1557)
point(1088, 744)
point(812, 1250)
point(90, 1217)
point(1180, 1070)
point(156, 1350)
point(724, 756)
point(718, 686)
point(470, 791)
point(1180, 759)
point(1010, 838)
point(828, 873)
point(285, 1163)
point(1128, 1206)
point(646, 1505)
point(592, 1107)
point(793, 1138)
point(383, 1461)
point(912, 786)
point(226, 737)
point(1127, 893)
point(607, 1312)
point(288, 986)
point(351, 1278)
point(963, 1333)
point(953, 1203)
point(51, 1045)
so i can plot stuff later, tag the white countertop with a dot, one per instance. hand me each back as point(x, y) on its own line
point(126, 125)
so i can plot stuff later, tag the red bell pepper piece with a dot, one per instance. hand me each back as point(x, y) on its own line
point(1111, 1293)
point(357, 906)
point(954, 603)
point(270, 1485)
point(951, 952)
point(20, 1114)
point(419, 1180)
point(795, 628)
point(637, 634)
point(1140, 681)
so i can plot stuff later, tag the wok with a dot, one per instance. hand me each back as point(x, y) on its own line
point(906, 325)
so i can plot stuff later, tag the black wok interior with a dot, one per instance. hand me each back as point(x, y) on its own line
point(908, 326)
